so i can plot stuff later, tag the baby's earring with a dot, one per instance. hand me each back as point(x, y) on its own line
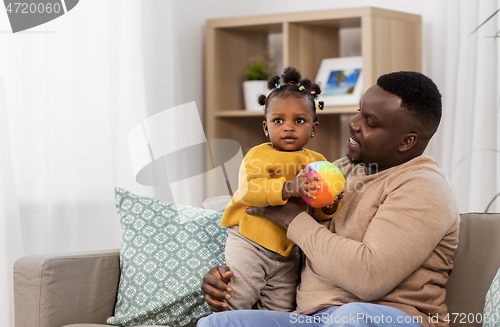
point(267, 134)
point(312, 135)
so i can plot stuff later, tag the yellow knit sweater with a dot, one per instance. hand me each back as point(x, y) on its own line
point(262, 174)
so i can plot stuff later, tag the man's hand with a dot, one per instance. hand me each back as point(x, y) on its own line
point(330, 209)
point(279, 215)
point(215, 288)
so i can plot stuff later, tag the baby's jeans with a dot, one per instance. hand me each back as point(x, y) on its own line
point(262, 279)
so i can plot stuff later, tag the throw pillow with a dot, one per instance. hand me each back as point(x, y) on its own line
point(491, 313)
point(166, 249)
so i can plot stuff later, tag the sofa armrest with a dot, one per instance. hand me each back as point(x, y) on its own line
point(59, 289)
point(476, 262)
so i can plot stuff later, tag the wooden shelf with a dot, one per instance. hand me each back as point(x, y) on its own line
point(325, 111)
point(390, 41)
point(239, 113)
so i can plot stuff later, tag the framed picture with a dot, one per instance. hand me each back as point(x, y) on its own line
point(341, 81)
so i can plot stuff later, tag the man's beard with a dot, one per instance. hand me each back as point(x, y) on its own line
point(372, 168)
point(352, 161)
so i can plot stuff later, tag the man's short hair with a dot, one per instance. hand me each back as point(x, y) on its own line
point(419, 96)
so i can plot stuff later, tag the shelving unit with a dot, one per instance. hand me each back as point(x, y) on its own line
point(390, 41)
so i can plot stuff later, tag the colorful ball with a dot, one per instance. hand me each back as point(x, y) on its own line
point(331, 182)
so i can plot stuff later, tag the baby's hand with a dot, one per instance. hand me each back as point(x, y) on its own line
point(339, 197)
point(299, 185)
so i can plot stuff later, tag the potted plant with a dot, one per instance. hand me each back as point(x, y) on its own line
point(255, 77)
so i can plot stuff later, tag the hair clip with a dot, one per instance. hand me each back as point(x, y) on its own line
point(291, 82)
point(302, 87)
point(277, 85)
point(318, 106)
point(313, 92)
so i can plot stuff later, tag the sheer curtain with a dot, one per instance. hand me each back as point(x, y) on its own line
point(471, 141)
point(74, 87)
point(11, 245)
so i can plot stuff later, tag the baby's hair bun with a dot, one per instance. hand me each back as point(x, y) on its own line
point(273, 82)
point(291, 83)
point(306, 82)
point(262, 99)
point(315, 90)
point(291, 76)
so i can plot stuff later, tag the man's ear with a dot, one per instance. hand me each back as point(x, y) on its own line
point(409, 142)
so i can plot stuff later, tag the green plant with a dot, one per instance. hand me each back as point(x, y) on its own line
point(258, 70)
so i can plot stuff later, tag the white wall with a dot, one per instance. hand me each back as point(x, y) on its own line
point(175, 74)
point(190, 16)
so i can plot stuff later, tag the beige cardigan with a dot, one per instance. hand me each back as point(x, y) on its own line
point(391, 243)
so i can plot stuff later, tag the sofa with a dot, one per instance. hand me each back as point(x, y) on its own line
point(80, 289)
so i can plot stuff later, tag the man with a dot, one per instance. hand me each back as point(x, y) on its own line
point(384, 259)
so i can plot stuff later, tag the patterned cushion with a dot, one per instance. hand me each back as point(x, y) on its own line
point(166, 249)
point(491, 314)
